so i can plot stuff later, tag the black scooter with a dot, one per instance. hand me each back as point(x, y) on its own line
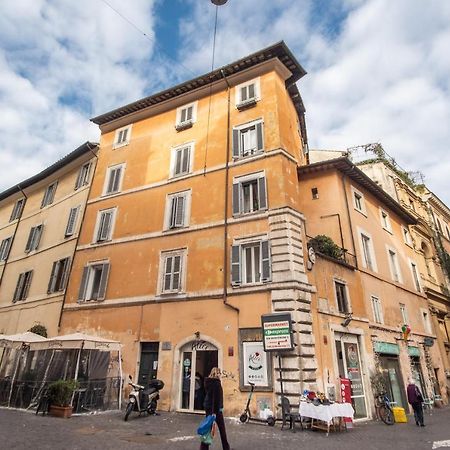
point(143, 399)
point(246, 416)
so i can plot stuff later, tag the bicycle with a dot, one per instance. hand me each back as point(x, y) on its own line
point(384, 409)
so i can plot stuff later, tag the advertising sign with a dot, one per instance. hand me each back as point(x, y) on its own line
point(346, 394)
point(277, 332)
point(255, 364)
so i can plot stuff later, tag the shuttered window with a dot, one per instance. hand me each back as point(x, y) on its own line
point(34, 238)
point(172, 271)
point(105, 224)
point(49, 195)
point(122, 136)
point(181, 163)
point(71, 221)
point(23, 286)
point(177, 210)
point(251, 263)
point(58, 277)
point(249, 194)
point(186, 116)
point(93, 282)
point(83, 176)
point(114, 179)
point(5, 247)
point(248, 140)
point(17, 210)
point(247, 94)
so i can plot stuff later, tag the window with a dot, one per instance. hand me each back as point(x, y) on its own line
point(358, 201)
point(315, 193)
point(17, 210)
point(248, 139)
point(177, 210)
point(186, 116)
point(426, 321)
point(5, 246)
point(385, 221)
point(404, 313)
point(406, 236)
point(181, 163)
point(23, 286)
point(448, 231)
point(83, 176)
point(34, 238)
point(105, 223)
point(439, 225)
point(249, 194)
point(122, 137)
point(368, 252)
point(411, 204)
point(341, 297)
point(172, 271)
point(376, 308)
point(250, 263)
point(72, 221)
point(113, 179)
point(49, 194)
point(94, 281)
point(247, 94)
point(58, 277)
point(415, 275)
point(393, 265)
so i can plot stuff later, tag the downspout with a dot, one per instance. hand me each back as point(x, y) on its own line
point(225, 212)
point(78, 237)
point(14, 234)
point(349, 220)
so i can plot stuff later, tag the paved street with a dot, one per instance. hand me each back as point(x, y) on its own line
point(24, 430)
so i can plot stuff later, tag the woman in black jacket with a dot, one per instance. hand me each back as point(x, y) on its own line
point(214, 405)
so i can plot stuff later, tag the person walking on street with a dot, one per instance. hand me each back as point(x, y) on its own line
point(415, 399)
point(214, 405)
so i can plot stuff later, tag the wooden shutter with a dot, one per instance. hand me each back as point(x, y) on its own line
point(243, 93)
point(178, 159)
point(4, 249)
point(176, 274)
point(71, 221)
point(236, 198)
point(28, 277)
point(117, 176)
point(79, 181)
point(259, 137)
point(168, 273)
point(105, 226)
point(185, 159)
point(30, 239)
point(251, 91)
point(189, 112)
point(65, 273)
point(83, 285)
point(37, 236)
point(236, 153)
point(262, 193)
point(111, 181)
point(53, 276)
point(183, 115)
point(179, 210)
point(235, 265)
point(103, 282)
point(19, 287)
point(265, 258)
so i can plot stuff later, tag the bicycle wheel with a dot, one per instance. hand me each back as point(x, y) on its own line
point(386, 415)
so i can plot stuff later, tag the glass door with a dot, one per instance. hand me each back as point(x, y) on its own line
point(393, 379)
point(349, 365)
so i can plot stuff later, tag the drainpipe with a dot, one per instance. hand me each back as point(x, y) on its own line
point(14, 234)
point(78, 237)
point(349, 220)
point(225, 212)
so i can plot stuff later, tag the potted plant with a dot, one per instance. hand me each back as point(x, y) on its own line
point(60, 395)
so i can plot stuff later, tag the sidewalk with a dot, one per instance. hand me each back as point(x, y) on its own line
point(25, 430)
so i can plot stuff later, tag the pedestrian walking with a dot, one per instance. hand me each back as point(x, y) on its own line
point(214, 405)
point(415, 399)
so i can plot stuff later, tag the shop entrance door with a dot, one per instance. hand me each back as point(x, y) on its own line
point(349, 364)
point(197, 360)
point(393, 379)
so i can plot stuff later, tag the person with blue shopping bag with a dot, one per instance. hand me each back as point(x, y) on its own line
point(214, 406)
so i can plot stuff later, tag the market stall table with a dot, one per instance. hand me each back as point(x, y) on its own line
point(325, 413)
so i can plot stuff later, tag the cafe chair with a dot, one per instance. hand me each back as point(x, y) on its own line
point(288, 415)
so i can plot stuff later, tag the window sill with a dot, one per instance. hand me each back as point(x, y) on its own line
point(247, 104)
point(184, 125)
point(361, 212)
point(122, 144)
point(387, 230)
point(255, 153)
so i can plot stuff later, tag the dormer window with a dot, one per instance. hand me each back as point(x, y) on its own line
point(186, 116)
point(247, 94)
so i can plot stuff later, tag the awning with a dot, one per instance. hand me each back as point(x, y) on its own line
point(17, 340)
point(413, 351)
point(77, 341)
point(386, 348)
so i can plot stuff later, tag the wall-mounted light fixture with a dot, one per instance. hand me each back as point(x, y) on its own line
point(347, 320)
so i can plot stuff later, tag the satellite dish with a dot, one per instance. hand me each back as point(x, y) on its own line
point(218, 2)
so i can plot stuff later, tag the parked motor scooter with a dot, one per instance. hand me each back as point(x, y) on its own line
point(143, 398)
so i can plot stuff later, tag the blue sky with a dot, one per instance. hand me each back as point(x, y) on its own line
point(378, 70)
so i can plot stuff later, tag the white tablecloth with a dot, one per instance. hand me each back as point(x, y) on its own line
point(326, 412)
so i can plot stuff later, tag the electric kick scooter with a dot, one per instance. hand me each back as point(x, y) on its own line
point(246, 416)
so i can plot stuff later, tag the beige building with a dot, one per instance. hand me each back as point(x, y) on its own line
point(40, 220)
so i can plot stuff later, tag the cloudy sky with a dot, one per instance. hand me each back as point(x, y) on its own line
point(378, 70)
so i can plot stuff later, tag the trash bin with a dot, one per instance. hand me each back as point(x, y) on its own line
point(399, 415)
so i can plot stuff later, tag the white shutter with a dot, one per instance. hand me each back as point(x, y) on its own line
point(168, 273)
point(179, 211)
point(185, 159)
point(176, 274)
point(117, 177)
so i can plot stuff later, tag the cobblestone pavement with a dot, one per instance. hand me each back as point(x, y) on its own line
point(25, 430)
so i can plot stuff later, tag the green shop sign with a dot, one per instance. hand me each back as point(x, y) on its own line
point(413, 351)
point(387, 348)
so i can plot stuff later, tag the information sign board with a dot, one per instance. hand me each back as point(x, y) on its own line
point(277, 332)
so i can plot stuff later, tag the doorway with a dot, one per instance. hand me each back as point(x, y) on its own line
point(349, 366)
point(197, 360)
point(148, 366)
point(393, 379)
